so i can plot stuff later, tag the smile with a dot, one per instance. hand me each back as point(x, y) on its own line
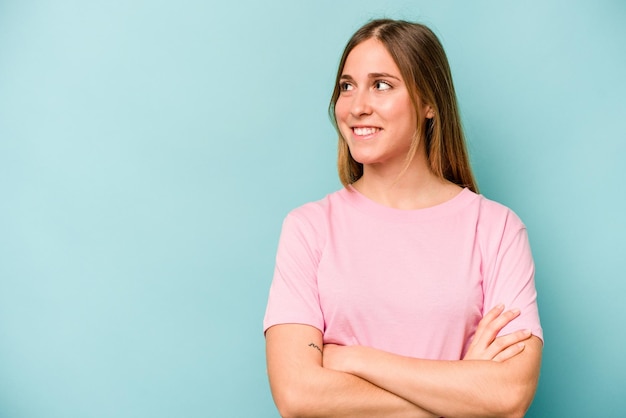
point(365, 131)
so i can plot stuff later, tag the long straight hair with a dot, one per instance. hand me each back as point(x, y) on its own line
point(424, 67)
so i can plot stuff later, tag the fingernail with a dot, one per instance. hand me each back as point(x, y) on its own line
point(527, 332)
point(515, 311)
point(500, 306)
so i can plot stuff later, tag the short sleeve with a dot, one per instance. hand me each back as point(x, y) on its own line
point(510, 278)
point(294, 296)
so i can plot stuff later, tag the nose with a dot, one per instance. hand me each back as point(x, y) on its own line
point(360, 105)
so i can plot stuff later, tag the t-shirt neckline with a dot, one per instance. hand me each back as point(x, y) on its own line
point(382, 212)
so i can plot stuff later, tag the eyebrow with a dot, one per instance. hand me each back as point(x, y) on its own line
point(370, 75)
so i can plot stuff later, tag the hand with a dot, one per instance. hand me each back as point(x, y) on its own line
point(486, 345)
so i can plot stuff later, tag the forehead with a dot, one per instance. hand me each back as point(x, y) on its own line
point(370, 56)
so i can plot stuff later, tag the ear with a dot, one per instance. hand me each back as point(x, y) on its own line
point(429, 112)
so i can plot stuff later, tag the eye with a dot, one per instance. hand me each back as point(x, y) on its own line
point(382, 85)
point(345, 86)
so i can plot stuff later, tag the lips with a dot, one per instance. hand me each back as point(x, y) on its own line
point(365, 131)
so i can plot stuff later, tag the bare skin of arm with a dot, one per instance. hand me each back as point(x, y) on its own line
point(305, 384)
point(471, 387)
point(301, 387)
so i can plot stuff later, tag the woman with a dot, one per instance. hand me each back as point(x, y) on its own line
point(388, 296)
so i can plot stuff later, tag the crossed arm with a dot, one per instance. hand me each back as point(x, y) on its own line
point(497, 377)
point(302, 387)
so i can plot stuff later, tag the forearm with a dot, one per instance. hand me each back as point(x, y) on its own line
point(450, 388)
point(454, 388)
point(302, 387)
point(327, 393)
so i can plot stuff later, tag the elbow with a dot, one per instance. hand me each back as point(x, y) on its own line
point(515, 412)
point(517, 402)
point(520, 408)
point(288, 410)
point(291, 403)
point(521, 389)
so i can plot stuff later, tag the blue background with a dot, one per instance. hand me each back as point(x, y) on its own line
point(150, 149)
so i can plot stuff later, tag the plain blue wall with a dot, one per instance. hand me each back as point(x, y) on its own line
point(150, 149)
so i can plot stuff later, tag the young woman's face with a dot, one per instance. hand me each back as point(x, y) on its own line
point(374, 111)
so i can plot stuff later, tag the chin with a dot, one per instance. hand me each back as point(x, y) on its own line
point(365, 160)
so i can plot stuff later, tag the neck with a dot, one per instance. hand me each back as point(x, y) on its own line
point(415, 188)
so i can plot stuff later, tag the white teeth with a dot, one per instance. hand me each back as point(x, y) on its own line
point(365, 131)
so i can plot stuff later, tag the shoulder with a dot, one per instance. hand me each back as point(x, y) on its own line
point(311, 220)
point(318, 211)
point(498, 227)
point(493, 214)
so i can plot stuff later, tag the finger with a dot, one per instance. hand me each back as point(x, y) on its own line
point(504, 342)
point(503, 320)
point(484, 322)
point(492, 329)
point(510, 352)
point(490, 326)
point(478, 345)
point(490, 316)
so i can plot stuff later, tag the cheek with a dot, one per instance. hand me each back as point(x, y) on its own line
point(341, 110)
point(404, 113)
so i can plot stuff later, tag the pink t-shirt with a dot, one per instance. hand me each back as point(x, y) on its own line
point(411, 282)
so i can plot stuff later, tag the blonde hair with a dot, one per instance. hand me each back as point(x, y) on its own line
point(424, 67)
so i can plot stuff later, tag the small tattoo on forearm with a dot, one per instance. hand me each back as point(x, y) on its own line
point(316, 347)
